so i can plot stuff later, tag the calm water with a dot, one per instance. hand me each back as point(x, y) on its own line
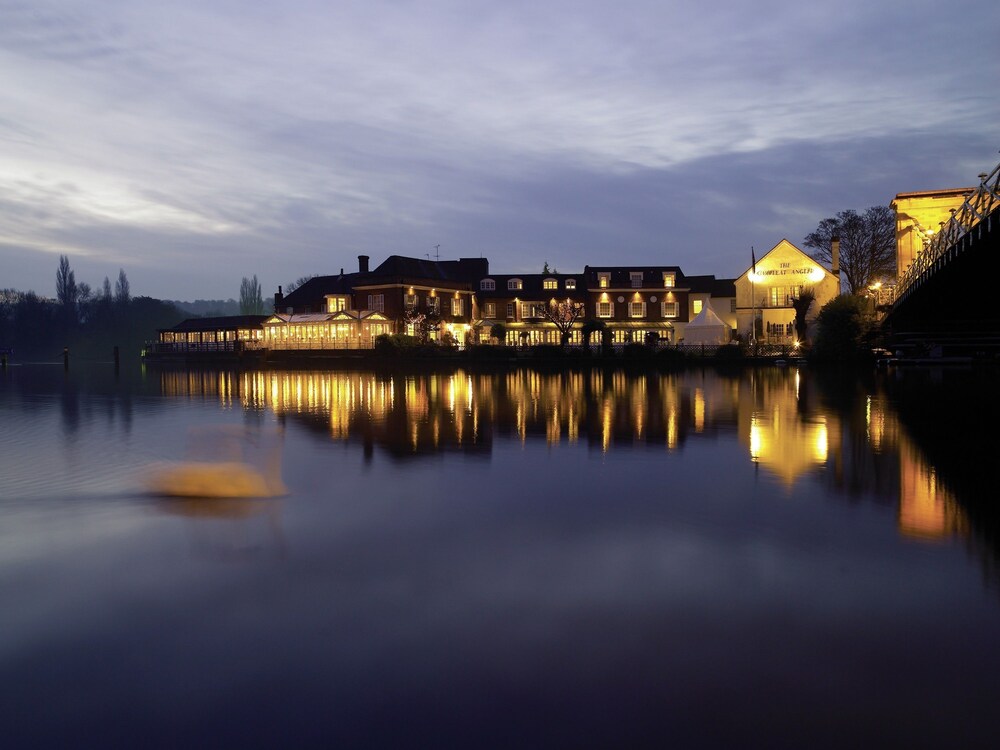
point(518, 560)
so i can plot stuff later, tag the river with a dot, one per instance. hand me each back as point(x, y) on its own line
point(768, 557)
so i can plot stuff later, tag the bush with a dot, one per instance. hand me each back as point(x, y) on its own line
point(843, 332)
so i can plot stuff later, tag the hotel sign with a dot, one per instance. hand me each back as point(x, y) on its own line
point(811, 272)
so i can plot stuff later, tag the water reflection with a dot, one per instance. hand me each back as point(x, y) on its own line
point(791, 423)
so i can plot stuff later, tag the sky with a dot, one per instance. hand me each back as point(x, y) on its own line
point(194, 143)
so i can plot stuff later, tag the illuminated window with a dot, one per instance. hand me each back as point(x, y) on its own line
point(513, 284)
point(605, 309)
point(410, 302)
point(487, 285)
point(490, 310)
point(376, 302)
point(571, 283)
point(635, 277)
point(336, 304)
point(550, 284)
point(669, 309)
point(532, 309)
point(456, 305)
point(637, 309)
point(668, 279)
point(510, 309)
point(603, 279)
point(696, 306)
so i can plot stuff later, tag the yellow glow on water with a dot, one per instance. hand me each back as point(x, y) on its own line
point(699, 410)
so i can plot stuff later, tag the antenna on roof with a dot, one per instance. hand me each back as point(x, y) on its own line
point(437, 253)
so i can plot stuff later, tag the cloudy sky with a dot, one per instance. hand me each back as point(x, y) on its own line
point(194, 143)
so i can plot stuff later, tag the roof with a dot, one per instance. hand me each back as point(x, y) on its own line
point(706, 319)
point(399, 266)
point(224, 323)
point(312, 293)
point(708, 284)
point(621, 276)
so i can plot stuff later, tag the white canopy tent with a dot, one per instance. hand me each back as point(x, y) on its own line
point(707, 328)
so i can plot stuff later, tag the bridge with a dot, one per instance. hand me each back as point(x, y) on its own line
point(948, 296)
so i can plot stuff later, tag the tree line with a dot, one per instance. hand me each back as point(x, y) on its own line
point(88, 322)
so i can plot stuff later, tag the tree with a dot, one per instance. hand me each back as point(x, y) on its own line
point(801, 305)
point(867, 245)
point(564, 316)
point(498, 331)
point(289, 288)
point(66, 291)
point(843, 333)
point(123, 295)
point(251, 301)
point(589, 328)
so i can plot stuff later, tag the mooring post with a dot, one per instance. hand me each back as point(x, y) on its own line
point(116, 358)
point(66, 358)
point(3, 360)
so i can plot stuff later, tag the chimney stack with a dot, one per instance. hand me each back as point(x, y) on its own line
point(363, 263)
point(279, 299)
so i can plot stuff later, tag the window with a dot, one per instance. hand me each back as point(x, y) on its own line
point(696, 306)
point(487, 285)
point(668, 279)
point(603, 279)
point(637, 309)
point(434, 305)
point(376, 302)
point(669, 309)
point(510, 309)
point(605, 309)
point(490, 310)
point(571, 283)
point(456, 305)
point(336, 304)
point(410, 302)
point(532, 309)
point(550, 284)
point(635, 277)
point(732, 305)
point(513, 284)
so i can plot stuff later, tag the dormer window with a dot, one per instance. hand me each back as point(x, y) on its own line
point(550, 284)
point(603, 280)
point(668, 279)
point(571, 283)
point(635, 277)
point(488, 285)
point(514, 285)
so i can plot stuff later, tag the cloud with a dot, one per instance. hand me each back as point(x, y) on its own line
point(281, 136)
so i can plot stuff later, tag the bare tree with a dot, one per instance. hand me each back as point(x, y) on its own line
point(123, 294)
point(563, 315)
point(289, 288)
point(251, 301)
point(66, 291)
point(867, 245)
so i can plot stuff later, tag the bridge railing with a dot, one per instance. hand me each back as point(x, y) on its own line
point(977, 206)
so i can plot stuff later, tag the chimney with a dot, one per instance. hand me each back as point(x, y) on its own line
point(363, 263)
point(835, 256)
point(279, 299)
